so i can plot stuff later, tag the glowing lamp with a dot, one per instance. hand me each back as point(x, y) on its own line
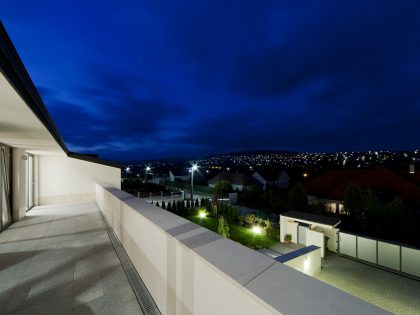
point(257, 229)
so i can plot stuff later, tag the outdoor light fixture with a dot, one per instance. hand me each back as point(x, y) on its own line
point(194, 167)
point(202, 214)
point(257, 229)
point(148, 168)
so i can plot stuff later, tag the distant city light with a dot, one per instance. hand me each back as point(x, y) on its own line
point(194, 167)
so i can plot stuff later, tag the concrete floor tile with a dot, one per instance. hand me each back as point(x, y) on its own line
point(60, 260)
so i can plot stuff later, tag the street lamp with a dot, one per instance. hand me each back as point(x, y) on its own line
point(147, 171)
point(194, 167)
point(127, 169)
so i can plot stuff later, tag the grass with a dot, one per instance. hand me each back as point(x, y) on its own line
point(238, 233)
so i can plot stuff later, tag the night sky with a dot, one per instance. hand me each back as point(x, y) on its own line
point(155, 79)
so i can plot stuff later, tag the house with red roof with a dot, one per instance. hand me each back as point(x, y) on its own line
point(330, 187)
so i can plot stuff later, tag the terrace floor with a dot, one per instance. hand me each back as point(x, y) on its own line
point(60, 260)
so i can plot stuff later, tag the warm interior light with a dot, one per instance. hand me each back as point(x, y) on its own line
point(257, 229)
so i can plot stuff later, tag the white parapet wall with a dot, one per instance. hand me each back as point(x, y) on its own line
point(64, 180)
point(316, 238)
point(191, 270)
point(306, 260)
point(288, 226)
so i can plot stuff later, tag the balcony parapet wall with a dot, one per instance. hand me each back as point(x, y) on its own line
point(191, 270)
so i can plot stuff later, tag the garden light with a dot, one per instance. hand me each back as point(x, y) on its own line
point(257, 229)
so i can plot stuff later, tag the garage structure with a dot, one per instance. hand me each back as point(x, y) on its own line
point(310, 229)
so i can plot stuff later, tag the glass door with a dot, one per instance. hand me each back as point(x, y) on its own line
point(30, 181)
point(5, 184)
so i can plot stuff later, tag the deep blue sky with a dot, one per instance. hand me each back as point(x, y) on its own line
point(152, 79)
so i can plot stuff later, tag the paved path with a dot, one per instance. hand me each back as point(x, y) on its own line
point(395, 293)
point(60, 260)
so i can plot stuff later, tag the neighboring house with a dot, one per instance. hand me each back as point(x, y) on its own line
point(329, 189)
point(261, 181)
point(177, 175)
point(239, 181)
point(282, 180)
point(265, 179)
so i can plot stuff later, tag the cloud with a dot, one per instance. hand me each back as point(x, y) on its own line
point(192, 78)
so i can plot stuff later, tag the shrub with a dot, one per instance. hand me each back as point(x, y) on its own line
point(223, 228)
point(288, 238)
point(250, 218)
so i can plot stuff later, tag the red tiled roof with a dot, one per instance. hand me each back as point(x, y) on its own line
point(332, 185)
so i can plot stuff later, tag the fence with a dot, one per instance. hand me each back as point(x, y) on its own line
point(198, 189)
point(388, 255)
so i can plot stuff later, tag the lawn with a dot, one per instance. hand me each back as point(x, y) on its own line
point(238, 233)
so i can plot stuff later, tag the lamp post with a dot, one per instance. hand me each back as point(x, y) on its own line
point(127, 169)
point(147, 171)
point(194, 167)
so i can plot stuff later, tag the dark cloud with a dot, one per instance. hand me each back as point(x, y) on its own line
point(142, 80)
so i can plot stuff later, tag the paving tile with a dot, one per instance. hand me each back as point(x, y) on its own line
point(60, 260)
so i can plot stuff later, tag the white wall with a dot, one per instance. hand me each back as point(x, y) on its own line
point(389, 255)
point(348, 244)
point(19, 184)
point(410, 261)
point(190, 270)
point(291, 228)
point(366, 249)
point(317, 239)
point(288, 226)
point(309, 263)
point(65, 180)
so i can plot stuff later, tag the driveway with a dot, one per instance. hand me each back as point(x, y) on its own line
point(395, 293)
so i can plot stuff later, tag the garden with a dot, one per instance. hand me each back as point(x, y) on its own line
point(249, 230)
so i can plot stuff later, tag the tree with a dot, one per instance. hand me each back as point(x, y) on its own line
point(169, 208)
point(298, 200)
point(174, 209)
point(163, 205)
point(394, 209)
point(222, 188)
point(373, 210)
point(353, 201)
point(196, 203)
point(157, 203)
point(223, 228)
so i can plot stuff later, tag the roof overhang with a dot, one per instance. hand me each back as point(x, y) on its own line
point(19, 127)
point(25, 121)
